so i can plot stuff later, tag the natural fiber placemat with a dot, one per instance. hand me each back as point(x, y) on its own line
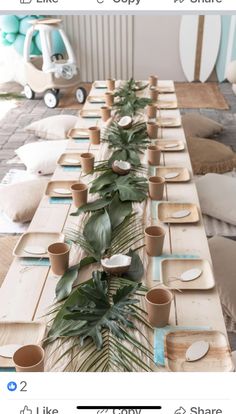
point(200, 96)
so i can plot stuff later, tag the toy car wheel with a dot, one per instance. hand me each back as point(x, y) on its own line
point(81, 95)
point(29, 93)
point(51, 99)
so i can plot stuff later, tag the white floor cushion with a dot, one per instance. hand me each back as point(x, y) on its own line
point(41, 157)
point(217, 194)
point(54, 127)
point(223, 252)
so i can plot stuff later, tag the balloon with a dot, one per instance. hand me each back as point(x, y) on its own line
point(38, 42)
point(19, 44)
point(58, 45)
point(35, 50)
point(21, 16)
point(25, 24)
point(10, 24)
point(11, 37)
point(5, 42)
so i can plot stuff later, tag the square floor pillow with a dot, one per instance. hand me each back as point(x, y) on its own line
point(54, 127)
point(41, 157)
point(196, 125)
point(217, 194)
point(223, 252)
point(20, 201)
point(210, 156)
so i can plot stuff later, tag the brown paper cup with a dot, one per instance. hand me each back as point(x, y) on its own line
point(152, 111)
point(79, 194)
point(152, 130)
point(95, 135)
point(87, 162)
point(154, 155)
point(153, 80)
point(29, 358)
point(106, 113)
point(156, 188)
point(111, 84)
point(154, 94)
point(109, 98)
point(158, 302)
point(59, 257)
point(154, 240)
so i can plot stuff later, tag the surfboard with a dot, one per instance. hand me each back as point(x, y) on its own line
point(227, 52)
point(200, 38)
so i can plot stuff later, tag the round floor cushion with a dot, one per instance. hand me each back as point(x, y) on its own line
point(209, 156)
point(196, 125)
point(7, 245)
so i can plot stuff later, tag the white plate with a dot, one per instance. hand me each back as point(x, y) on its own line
point(181, 214)
point(169, 176)
point(62, 191)
point(191, 275)
point(171, 145)
point(35, 250)
point(197, 351)
point(72, 161)
point(7, 351)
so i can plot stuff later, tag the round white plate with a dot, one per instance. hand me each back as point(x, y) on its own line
point(7, 351)
point(62, 191)
point(72, 161)
point(169, 176)
point(190, 275)
point(181, 214)
point(171, 146)
point(197, 351)
point(37, 250)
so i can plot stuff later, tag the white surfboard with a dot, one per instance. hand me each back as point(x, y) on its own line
point(200, 38)
point(227, 51)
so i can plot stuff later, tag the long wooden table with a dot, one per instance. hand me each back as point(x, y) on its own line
point(27, 294)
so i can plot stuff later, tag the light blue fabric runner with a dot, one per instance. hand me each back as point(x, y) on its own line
point(159, 340)
point(81, 140)
point(60, 200)
point(35, 262)
point(69, 168)
point(156, 262)
point(7, 369)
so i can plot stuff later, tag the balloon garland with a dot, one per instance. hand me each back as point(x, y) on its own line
point(13, 32)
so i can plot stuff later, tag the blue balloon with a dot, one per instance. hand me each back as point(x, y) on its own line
point(10, 24)
point(58, 45)
point(25, 24)
point(19, 44)
point(11, 37)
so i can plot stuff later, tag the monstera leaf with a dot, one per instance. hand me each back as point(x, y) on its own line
point(103, 312)
point(97, 232)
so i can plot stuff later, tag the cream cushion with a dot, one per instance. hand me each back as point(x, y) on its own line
point(54, 127)
point(20, 201)
point(196, 125)
point(217, 194)
point(41, 157)
point(210, 156)
point(223, 252)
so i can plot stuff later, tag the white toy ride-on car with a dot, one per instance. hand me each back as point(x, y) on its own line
point(50, 73)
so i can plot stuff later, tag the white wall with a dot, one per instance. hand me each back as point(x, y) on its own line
point(125, 46)
point(156, 47)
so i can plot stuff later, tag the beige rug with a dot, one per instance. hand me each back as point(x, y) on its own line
point(200, 96)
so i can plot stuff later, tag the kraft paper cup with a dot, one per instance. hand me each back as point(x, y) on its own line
point(111, 84)
point(95, 135)
point(152, 130)
point(29, 358)
point(153, 80)
point(154, 240)
point(156, 188)
point(59, 258)
point(106, 113)
point(154, 94)
point(151, 111)
point(87, 162)
point(158, 303)
point(109, 98)
point(154, 155)
point(79, 194)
